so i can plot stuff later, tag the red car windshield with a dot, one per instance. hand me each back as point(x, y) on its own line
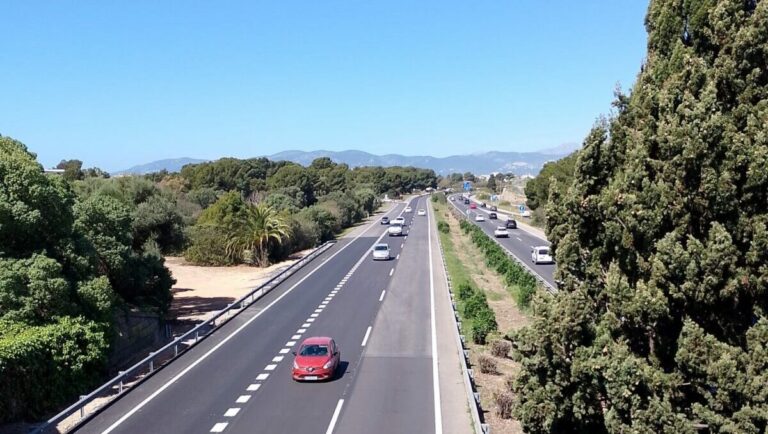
point(314, 350)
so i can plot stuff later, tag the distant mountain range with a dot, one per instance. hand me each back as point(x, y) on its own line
point(519, 163)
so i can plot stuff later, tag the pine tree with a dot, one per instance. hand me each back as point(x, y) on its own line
point(662, 244)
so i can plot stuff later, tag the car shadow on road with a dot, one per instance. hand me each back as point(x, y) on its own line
point(341, 370)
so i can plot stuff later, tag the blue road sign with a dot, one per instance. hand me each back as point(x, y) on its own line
point(522, 207)
point(467, 185)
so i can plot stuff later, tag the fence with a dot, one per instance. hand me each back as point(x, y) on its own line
point(137, 373)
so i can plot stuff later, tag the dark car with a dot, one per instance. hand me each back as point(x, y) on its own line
point(493, 216)
point(385, 220)
point(482, 204)
point(511, 224)
point(493, 208)
point(466, 201)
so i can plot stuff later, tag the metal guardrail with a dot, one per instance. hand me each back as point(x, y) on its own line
point(114, 388)
point(552, 289)
point(469, 380)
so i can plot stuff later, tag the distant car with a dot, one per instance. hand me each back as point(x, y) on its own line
point(526, 214)
point(453, 198)
point(385, 220)
point(511, 224)
point(421, 212)
point(381, 252)
point(395, 230)
point(493, 208)
point(399, 221)
point(408, 209)
point(482, 205)
point(479, 218)
point(317, 359)
point(541, 255)
point(472, 205)
point(466, 201)
point(492, 216)
point(501, 232)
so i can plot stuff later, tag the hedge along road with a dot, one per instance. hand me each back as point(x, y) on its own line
point(519, 242)
point(238, 380)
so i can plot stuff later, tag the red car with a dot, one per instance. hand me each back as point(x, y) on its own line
point(317, 359)
point(472, 205)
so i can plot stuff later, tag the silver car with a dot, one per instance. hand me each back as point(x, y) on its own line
point(381, 252)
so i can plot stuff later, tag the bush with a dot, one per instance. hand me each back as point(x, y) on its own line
point(487, 364)
point(46, 366)
point(443, 227)
point(207, 246)
point(464, 290)
point(483, 324)
point(483, 196)
point(504, 402)
point(439, 198)
point(500, 348)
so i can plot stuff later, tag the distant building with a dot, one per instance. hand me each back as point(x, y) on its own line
point(54, 171)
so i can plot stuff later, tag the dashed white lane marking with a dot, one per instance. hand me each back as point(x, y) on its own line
point(324, 302)
point(383, 291)
point(284, 350)
point(253, 387)
point(305, 325)
point(242, 399)
point(402, 245)
point(270, 367)
point(397, 257)
point(290, 343)
point(262, 377)
point(301, 330)
point(219, 427)
point(314, 315)
point(296, 337)
point(232, 412)
point(391, 271)
point(318, 310)
point(367, 333)
point(277, 359)
point(519, 239)
point(310, 320)
point(335, 417)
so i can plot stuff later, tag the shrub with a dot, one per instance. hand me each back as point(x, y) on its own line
point(464, 290)
point(504, 402)
point(483, 324)
point(483, 196)
point(443, 227)
point(500, 348)
point(487, 364)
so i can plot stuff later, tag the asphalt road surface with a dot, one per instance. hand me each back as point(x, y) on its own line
point(519, 243)
point(238, 380)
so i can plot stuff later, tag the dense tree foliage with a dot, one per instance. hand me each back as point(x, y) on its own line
point(561, 171)
point(662, 244)
point(66, 262)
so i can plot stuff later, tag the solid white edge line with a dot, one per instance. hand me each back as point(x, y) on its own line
point(367, 334)
point(383, 291)
point(433, 324)
point(184, 372)
point(335, 417)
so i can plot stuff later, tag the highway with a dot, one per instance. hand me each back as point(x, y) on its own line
point(238, 380)
point(519, 242)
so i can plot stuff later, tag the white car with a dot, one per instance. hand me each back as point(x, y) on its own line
point(422, 212)
point(381, 252)
point(408, 209)
point(479, 218)
point(399, 221)
point(501, 232)
point(541, 255)
point(395, 230)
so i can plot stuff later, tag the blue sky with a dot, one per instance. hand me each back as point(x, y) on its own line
point(121, 83)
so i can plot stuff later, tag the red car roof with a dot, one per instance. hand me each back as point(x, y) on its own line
point(317, 340)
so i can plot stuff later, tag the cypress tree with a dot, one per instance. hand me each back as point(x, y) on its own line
point(662, 244)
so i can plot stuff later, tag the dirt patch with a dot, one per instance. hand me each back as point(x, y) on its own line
point(200, 292)
point(508, 316)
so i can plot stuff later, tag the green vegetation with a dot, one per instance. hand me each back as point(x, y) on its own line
point(471, 301)
point(560, 171)
point(662, 244)
point(66, 263)
point(518, 280)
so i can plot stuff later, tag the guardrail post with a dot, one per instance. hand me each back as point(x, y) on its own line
point(121, 381)
point(82, 409)
point(152, 362)
point(197, 335)
point(175, 350)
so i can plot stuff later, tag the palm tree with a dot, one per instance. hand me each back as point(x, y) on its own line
point(253, 229)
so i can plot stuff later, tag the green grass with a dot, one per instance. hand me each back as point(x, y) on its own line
point(457, 271)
